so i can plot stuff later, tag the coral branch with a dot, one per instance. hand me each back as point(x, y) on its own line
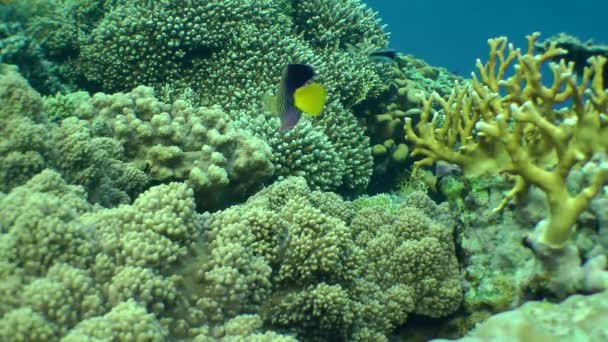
point(519, 126)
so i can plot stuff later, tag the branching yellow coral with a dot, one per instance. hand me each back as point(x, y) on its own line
point(520, 126)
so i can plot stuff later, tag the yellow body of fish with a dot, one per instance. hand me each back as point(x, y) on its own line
point(310, 98)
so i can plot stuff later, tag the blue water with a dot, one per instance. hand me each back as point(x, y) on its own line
point(453, 34)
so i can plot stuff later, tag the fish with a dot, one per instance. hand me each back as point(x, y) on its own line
point(383, 56)
point(297, 94)
point(443, 169)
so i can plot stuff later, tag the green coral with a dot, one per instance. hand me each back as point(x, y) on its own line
point(303, 151)
point(38, 219)
point(70, 262)
point(297, 259)
point(332, 153)
point(332, 278)
point(97, 163)
point(327, 23)
point(17, 47)
point(25, 325)
point(241, 328)
point(154, 232)
point(231, 54)
point(146, 286)
point(117, 145)
point(64, 297)
point(31, 143)
point(24, 138)
point(125, 322)
point(170, 142)
point(212, 46)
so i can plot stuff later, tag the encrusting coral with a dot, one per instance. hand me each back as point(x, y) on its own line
point(520, 126)
point(577, 318)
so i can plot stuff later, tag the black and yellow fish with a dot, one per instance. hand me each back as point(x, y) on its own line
point(298, 94)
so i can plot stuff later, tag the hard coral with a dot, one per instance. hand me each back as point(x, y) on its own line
point(229, 52)
point(31, 142)
point(38, 224)
point(166, 142)
point(24, 138)
point(535, 132)
point(232, 54)
point(297, 259)
point(332, 153)
point(126, 321)
point(73, 265)
point(332, 274)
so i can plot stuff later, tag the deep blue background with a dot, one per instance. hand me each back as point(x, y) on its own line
point(453, 34)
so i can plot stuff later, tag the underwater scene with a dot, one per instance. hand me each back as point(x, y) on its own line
point(290, 170)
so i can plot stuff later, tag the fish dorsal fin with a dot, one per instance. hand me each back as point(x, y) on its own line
point(294, 77)
point(310, 98)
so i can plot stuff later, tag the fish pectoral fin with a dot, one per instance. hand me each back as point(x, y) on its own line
point(310, 98)
point(269, 104)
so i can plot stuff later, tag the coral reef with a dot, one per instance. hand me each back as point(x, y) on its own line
point(333, 273)
point(577, 51)
point(332, 153)
point(174, 142)
point(499, 271)
point(547, 139)
point(147, 192)
point(577, 318)
point(31, 143)
point(229, 52)
point(384, 117)
point(66, 261)
point(289, 259)
point(16, 47)
point(24, 137)
point(531, 132)
point(117, 145)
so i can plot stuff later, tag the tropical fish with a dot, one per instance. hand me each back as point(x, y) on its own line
point(297, 94)
point(385, 56)
point(443, 169)
point(374, 54)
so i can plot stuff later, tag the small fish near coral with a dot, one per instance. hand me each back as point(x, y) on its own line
point(297, 94)
point(383, 56)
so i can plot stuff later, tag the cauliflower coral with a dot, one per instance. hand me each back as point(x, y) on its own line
point(296, 259)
